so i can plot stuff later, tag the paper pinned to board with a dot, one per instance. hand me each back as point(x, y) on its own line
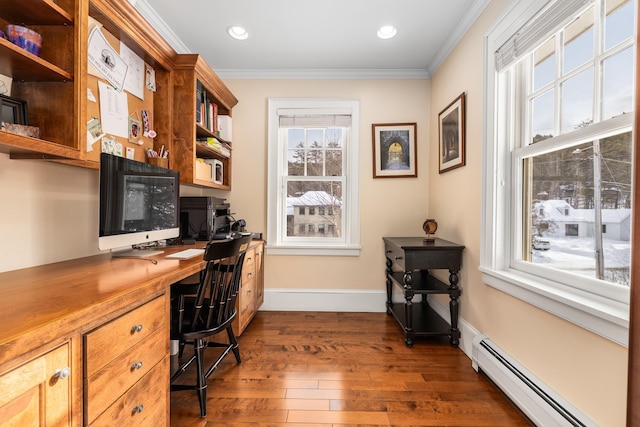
point(134, 81)
point(114, 111)
point(106, 60)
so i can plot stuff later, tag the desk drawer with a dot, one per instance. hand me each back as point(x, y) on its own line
point(395, 254)
point(123, 372)
point(249, 265)
point(114, 338)
point(145, 404)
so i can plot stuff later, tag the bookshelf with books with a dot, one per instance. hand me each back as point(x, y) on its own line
point(200, 97)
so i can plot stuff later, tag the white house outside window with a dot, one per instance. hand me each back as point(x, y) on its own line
point(560, 82)
point(313, 169)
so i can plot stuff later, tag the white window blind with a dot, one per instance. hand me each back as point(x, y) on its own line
point(314, 121)
point(550, 19)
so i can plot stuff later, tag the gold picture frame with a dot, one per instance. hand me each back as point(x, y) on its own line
point(394, 150)
point(451, 132)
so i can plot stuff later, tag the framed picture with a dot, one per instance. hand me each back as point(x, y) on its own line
point(394, 150)
point(451, 134)
point(13, 110)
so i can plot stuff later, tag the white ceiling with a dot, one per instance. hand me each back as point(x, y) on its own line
point(322, 38)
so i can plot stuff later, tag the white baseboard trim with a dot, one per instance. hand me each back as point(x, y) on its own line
point(352, 300)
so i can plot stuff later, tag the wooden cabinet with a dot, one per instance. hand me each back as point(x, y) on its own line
point(251, 294)
point(48, 83)
point(39, 391)
point(57, 86)
point(123, 359)
point(191, 75)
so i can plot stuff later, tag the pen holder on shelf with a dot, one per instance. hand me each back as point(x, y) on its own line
point(163, 162)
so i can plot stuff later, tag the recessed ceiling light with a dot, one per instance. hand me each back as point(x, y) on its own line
point(387, 32)
point(237, 33)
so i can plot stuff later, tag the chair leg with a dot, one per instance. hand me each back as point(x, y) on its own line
point(234, 344)
point(201, 381)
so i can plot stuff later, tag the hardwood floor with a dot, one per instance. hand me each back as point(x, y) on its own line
point(343, 369)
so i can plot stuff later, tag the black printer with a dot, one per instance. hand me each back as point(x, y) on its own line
point(204, 218)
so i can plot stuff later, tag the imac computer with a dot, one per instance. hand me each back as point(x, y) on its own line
point(139, 205)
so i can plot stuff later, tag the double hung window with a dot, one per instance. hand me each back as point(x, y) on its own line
point(560, 85)
point(313, 177)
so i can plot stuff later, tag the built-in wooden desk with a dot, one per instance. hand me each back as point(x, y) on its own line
point(73, 327)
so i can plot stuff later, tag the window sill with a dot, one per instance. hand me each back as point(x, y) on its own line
point(605, 317)
point(313, 250)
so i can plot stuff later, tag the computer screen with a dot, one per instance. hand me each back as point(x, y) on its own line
point(139, 204)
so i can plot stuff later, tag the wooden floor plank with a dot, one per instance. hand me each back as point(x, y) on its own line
point(340, 370)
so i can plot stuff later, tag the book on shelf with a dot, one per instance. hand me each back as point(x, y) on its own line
point(198, 102)
point(219, 146)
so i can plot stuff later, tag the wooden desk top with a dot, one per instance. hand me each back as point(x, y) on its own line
point(71, 295)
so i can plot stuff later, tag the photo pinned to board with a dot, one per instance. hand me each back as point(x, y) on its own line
point(147, 130)
point(135, 131)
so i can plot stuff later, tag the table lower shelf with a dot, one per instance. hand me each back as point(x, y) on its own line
point(425, 321)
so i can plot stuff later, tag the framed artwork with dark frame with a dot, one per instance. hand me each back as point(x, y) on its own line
point(394, 150)
point(13, 110)
point(451, 124)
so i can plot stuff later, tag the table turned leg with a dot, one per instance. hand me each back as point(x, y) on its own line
point(389, 285)
point(454, 307)
point(407, 279)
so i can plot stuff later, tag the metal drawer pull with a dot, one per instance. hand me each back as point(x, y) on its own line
point(138, 409)
point(136, 365)
point(398, 257)
point(62, 373)
point(136, 328)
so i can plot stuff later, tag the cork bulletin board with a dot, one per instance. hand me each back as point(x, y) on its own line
point(139, 114)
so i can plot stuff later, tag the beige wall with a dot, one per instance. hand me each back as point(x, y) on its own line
point(48, 213)
point(584, 368)
point(390, 206)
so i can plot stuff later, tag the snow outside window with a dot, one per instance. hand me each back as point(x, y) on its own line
point(560, 85)
point(313, 205)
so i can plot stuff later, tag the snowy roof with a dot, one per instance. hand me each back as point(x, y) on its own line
point(556, 209)
point(314, 198)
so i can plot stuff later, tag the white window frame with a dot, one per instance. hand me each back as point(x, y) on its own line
point(607, 315)
point(277, 244)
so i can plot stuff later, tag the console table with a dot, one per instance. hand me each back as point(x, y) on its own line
point(408, 261)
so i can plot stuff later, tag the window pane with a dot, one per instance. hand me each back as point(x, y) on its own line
point(324, 195)
point(544, 64)
point(564, 229)
point(333, 155)
point(619, 22)
point(577, 102)
point(618, 83)
point(315, 162)
point(295, 162)
point(578, 42)
point(542, 116)
point(295, 137)
point(315, 138)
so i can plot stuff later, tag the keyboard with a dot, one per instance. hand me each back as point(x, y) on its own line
point(186, 254)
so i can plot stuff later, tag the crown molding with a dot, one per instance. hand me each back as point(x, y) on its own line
point(465, 23)
point(158, 23)
point(301, 74)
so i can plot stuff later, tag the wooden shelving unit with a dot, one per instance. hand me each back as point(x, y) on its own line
point(47, 82)
point(188, 71)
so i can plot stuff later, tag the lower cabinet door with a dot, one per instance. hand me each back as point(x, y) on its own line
point(38, 393)
point(144, 404)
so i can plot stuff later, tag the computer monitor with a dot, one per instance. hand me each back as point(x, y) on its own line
point(139, 205)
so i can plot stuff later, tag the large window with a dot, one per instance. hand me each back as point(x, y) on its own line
point(313, 177)
point(560, 81)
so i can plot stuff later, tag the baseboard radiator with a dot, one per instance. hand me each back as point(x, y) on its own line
point(535, 399)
